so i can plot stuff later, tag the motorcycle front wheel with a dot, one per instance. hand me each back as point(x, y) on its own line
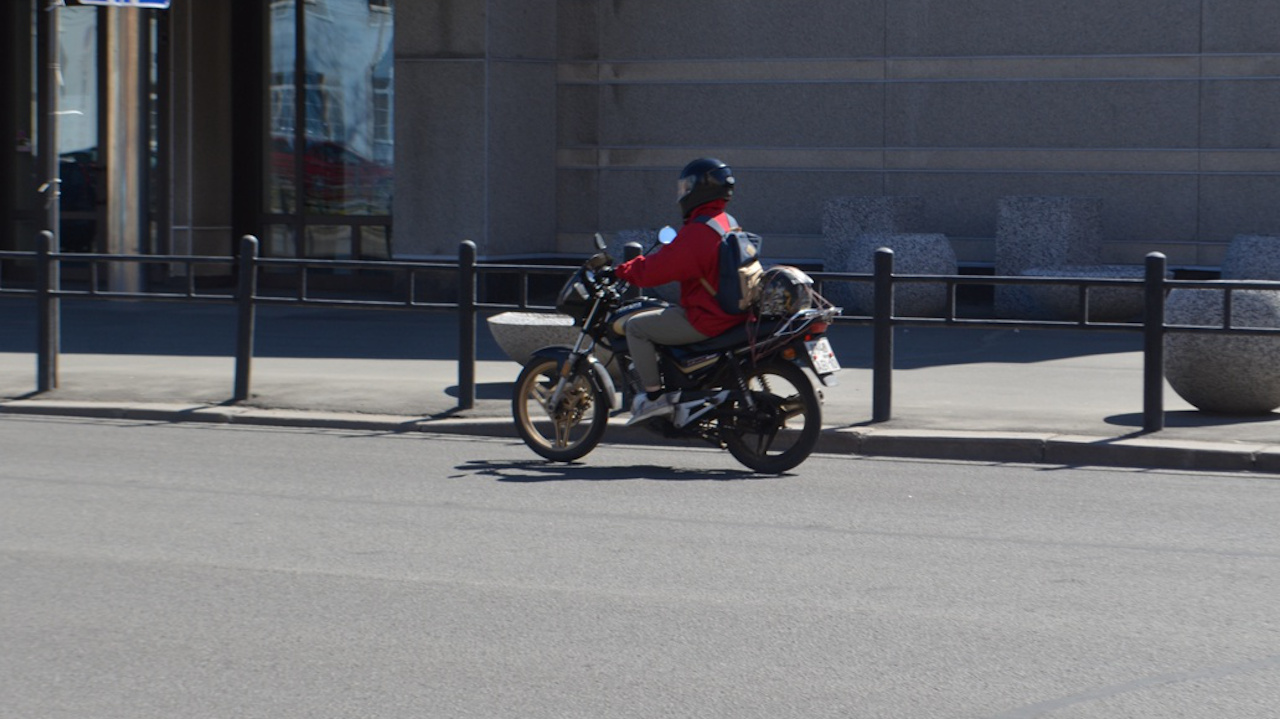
point(568, 430)
point(782, 429)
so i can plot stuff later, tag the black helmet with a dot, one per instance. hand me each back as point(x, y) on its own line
point(703, 180)
point(784, 291)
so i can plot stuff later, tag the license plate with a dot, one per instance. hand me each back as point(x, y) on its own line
point(823, 358)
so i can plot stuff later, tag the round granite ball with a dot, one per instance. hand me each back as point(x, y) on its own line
point(1219, 373)
point(520, 334)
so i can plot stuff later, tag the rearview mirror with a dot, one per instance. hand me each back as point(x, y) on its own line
point(600, 243)
point(666, 235)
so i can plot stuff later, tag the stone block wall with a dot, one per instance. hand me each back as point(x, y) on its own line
point(580, 113)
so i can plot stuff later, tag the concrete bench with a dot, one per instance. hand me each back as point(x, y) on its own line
point(844, 219)
point(1252, 257)
point(1042, 232)
point(1106, 304)
point(913, 254)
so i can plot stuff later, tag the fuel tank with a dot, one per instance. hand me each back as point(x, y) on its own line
point(618, 320)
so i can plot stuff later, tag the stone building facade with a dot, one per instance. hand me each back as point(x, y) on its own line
point(528, 125)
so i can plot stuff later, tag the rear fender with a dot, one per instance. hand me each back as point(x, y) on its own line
point(598, 375)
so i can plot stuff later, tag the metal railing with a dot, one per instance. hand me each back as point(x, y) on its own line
point(1153, 285)
point(249, 267)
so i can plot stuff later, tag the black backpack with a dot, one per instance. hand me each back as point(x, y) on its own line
point(741, 273)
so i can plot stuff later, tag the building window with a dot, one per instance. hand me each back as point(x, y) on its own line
point(331, 102)
point(383, 130)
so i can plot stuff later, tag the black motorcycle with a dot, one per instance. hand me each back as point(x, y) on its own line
point(745, 390)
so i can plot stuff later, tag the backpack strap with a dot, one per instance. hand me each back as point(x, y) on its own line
point(714, 224)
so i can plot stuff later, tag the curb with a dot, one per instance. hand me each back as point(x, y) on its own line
point(957, 445)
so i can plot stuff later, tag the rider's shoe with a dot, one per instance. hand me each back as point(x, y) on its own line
point(643, 408)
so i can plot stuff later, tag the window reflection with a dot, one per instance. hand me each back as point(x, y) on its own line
point(333, 125)
point(80, 170)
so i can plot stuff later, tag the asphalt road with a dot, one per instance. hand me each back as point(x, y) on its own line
point(164, 570)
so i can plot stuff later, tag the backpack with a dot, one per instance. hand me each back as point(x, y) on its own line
point(740, 271)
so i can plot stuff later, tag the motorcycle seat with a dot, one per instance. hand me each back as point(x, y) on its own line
point(736, 337)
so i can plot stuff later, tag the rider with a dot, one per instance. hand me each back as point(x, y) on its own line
point(704, 188)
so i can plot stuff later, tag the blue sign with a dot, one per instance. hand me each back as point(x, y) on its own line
point(156, 4)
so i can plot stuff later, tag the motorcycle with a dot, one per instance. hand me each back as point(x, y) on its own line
point(746, 390)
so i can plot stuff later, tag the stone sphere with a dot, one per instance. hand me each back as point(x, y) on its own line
point(1219, 373)
point(520, 334)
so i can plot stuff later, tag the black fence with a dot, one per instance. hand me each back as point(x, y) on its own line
point(455, 286)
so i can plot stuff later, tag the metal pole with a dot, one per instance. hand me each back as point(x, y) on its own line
point(48, 309)
point(467, 325)
point(882, 338)
point(1153, 345)
point(630, 251)
point(246, 291)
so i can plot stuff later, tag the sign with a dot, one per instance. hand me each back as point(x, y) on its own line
point(154, 4)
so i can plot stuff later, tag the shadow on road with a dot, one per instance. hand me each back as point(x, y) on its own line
point(1194, 418)
point(536, 470)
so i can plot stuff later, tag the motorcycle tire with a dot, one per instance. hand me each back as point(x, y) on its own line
point(566, 432)
point(768, 439)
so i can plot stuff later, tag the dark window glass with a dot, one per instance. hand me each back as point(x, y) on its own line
point(331, 144)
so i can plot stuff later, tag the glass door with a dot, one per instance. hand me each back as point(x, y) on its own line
point(330, 152)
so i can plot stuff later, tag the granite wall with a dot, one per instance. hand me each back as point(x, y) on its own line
point(527, 125)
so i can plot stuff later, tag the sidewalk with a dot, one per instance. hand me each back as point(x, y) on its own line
point(1055, 397)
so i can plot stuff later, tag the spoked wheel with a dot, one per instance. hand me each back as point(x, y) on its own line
point(570, 429)
point(783, 428)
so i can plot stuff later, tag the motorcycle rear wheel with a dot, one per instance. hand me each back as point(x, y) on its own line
point(783, 430)
point(568, 431)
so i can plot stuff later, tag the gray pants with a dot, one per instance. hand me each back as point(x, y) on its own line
point(667, 326)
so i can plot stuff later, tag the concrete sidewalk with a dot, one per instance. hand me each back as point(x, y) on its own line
point(1048, 396)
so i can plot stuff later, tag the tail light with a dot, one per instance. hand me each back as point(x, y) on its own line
point(814, 331)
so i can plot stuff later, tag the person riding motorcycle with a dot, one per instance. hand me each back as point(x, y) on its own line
point(704, 189)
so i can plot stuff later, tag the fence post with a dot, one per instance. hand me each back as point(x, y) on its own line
point(48, 311)
point(882, 338)
point(467, 325)
point(246, 291)
point(1153, 344)
point(630, 251)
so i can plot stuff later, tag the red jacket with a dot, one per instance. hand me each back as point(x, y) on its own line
point(693, 255)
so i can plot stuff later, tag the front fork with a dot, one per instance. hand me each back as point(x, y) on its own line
point(566, 371)
point(570, 365)
point(577, 363)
